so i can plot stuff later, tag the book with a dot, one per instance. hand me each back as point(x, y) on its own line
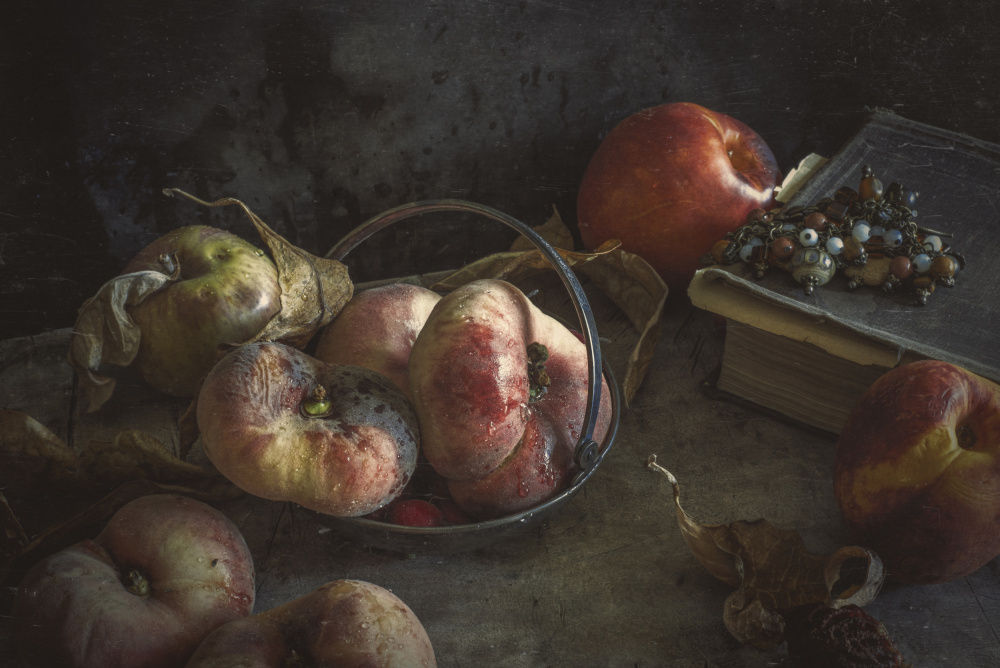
point(811, 357)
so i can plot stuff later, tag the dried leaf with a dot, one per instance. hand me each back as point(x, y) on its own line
point(554, 231)
point(772, 571)
point(639, 292)
point(29, 448)
point(313, 289)
point(105, 333)
point(510, 266)
point(134, 455)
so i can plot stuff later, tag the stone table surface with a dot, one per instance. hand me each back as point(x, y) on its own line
point(606, 580)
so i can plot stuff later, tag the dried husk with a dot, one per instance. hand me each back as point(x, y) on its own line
point(773, 572)
point(104, 332)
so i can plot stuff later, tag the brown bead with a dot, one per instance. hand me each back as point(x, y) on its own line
point(718, 248)
point(755, 216)
point(816, 220)
point(782, 249)
point(871, 188)
point(852, 249)
point(901, 267)
point(836, 211)
point(924, 283)
point(846, 196)
point(943, 267)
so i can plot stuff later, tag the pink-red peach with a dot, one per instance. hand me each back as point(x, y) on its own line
point(163, 573)
point(345, 451)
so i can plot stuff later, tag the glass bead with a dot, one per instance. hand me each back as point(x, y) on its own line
point(877, 231)
point(933, 242)
point(788, 227)
point(853, 249)
point(861, 232)
point(901, 267)
point(834, 245)
point(871, 188)
point(846, 195)
point(836, 211)
point(922, 263)
point(808, 237)
point(908, 198)
point(719, 249)
point(782, 249)
point(943, 267)
point(893, 238)
point(746, 251)
point(755, 216)
point(816, 221)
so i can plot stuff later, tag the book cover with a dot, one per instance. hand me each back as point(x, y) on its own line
point(958, 181)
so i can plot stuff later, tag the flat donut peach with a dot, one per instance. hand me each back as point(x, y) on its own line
point(351, 456)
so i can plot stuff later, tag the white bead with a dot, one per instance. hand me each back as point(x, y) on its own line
point(933, 242)
point(834, 245)
point(922, 263)
point(893, 238)
point(861, 232)
point(808, 237)
point(877, 231)
point(788, 226)
point(747, 249)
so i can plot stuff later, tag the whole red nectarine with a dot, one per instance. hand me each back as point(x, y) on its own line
point(669, 181)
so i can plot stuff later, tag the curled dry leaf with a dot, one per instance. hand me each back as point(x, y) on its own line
point(104, 333)
point(772, 571)
point(627, 280)
point(554, 231)
point(639, 292)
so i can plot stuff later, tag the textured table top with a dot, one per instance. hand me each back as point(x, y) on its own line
point(605, 581)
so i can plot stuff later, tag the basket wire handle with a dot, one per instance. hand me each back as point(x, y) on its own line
point(587, 449)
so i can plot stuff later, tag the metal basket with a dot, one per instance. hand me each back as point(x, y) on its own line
point(588, 454)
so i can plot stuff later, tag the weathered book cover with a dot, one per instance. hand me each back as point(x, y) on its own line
point(958, 180)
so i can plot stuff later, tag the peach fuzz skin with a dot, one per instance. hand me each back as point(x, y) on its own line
point(347, 623)
point(501, 451)
point(917, 471)
point(671, 180)
point(74, 608)
point(227, 291)
point(377, 329)
point(349, 463)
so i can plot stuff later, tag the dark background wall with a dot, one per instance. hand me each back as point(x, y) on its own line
point(321, 114)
